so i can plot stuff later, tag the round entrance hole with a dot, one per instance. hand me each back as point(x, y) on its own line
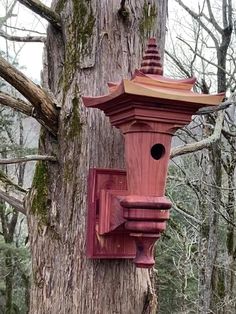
point(157, 151)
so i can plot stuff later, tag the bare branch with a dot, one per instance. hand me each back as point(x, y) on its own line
point(222, 106)
point(212, 18)
point(42, 10)
point(186, 214)
point(29, 38)
point(224, 13)
point(15, 103)
point(8, 182)
point(23, 29)
point(197, 18)
point(6, 161)
point(14, 202)
point(8, 15)
point(178, 63)
point(43, 104)
point(207, 142)
point(208, 61)
point(230, 10)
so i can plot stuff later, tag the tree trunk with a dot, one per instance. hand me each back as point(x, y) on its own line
point(99, 44)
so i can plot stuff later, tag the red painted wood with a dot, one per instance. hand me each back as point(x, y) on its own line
point(117, 244)
point(144, 249)
point(146, 215)
point(149, 202)
point(111, 214)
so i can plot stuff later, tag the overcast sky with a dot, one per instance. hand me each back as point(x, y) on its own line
point(30, 55)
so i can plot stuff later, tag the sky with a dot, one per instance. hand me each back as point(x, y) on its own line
point(30, 54)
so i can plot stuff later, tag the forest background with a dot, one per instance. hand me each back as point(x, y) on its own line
point(196, 258)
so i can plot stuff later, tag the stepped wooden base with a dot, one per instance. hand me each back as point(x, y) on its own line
point(122, 225)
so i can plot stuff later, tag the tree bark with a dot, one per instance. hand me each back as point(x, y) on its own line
point(98, 45)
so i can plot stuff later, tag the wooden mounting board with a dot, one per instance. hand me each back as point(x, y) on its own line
point(117, 244)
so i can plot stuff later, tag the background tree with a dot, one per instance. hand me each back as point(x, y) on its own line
point(209, 176)
point(16, 141)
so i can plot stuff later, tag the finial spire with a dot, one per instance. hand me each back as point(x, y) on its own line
point(151, 63)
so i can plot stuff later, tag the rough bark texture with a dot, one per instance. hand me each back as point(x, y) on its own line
point(98, 45)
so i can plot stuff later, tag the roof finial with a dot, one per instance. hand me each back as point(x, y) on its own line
point(151, 63)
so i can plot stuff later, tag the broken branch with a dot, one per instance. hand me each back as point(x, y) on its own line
point(8, 182)
point(43, 104)
point(42, 10)
point(14, 202)
point(15, 103)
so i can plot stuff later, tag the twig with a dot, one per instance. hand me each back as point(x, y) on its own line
point(42, 10)
point(183, 212)
point(197, 18)
point(6, 161)
point(178, 63)
point(205, 59)
point(23, 29)
point(14, 202)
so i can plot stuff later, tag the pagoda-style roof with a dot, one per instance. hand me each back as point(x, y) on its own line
point(148, 82)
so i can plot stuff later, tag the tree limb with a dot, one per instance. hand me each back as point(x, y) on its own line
point(212, 18)
point(44, 11)
point(221, 106)
point(193, 147)
point(14, 202)
point(7, 161)
point(8, 182)
point(224, 105)
point(43, 104)
point(224, 13)
point(230, 15)
point(23, 29)
point(29, 38)
point(15, 103)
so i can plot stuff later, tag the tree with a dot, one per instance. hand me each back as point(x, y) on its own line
point(14, 254)
point(208, 53)
point(88, 44)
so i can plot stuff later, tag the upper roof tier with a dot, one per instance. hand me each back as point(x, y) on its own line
point(149, 85)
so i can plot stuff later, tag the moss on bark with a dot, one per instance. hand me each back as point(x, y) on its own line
point(79, 32)
point(40, 198)
point(148, 20)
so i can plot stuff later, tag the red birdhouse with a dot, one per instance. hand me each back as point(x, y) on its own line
point(128, 210)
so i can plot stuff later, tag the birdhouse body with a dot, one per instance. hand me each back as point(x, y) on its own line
point(128, 211)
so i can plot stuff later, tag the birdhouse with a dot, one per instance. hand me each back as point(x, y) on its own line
point(127, 209)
